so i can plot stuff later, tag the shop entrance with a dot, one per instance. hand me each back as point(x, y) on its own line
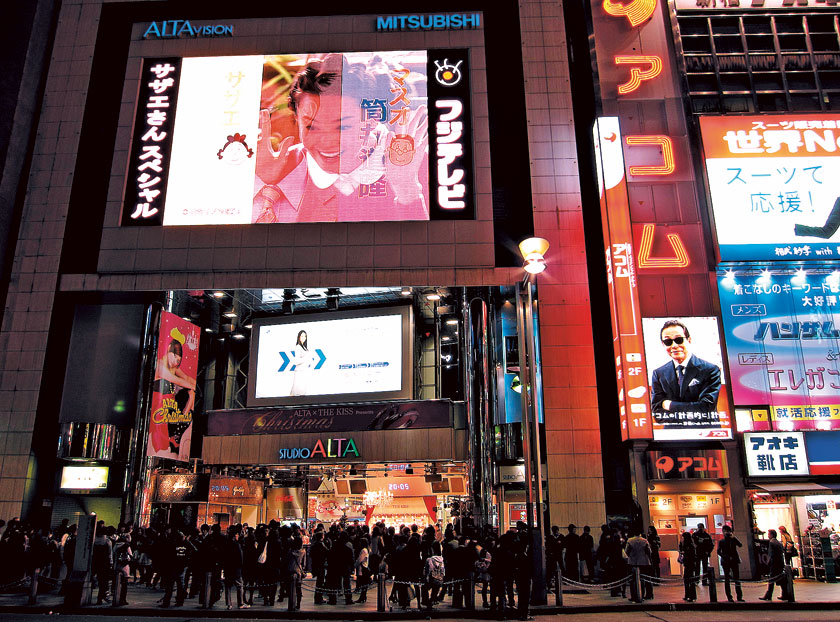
point(396, 494)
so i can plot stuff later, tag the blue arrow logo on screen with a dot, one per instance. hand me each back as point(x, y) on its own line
point(288, 357)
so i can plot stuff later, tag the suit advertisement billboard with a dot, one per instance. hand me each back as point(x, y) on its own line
point(687, 384)
point(783, 344)
point(772, 180)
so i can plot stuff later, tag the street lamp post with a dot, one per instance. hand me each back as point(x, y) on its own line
point(533, 251)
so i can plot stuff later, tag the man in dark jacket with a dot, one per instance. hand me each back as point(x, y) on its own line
point(232, 562)
point(571, 549)
point(777, 568)
point(705, 545)
point(341, 561)
point(727, 550)
point(318, 551)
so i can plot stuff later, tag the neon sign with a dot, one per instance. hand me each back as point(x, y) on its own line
point(637, 11)
point(637, 75)
point(335, 448)
point(679, 260)
point(668, 165)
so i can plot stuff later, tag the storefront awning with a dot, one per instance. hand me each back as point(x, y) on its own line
point(794, 487)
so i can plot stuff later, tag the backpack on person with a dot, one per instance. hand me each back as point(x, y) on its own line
point(435, 570)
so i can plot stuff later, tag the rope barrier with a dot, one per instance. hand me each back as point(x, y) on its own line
point(599, 586)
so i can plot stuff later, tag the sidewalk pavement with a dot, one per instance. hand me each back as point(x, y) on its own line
point(143, 601)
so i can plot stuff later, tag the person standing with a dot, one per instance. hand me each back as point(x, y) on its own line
point(777, 568)
point(705, 545)
point(688, 553)
point(553, 553)
point(787, 542)
point(571, 548)
point(318, 551)
point(587, 554)
point(232, 563)
point(655, 545)
point(102, 563)
point(730, 560)
point(638, 556)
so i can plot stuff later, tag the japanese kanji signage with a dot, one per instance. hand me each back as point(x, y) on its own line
point(775, 453)
point(302, 138)
point(697, 408)
point(151, 149)
point(687, 464)
point(628, 344)
point(773, 185)
point(783, 345)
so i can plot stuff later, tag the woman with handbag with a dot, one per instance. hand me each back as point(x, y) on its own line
point(787, 541)
point(688, 558)
point(363, 573)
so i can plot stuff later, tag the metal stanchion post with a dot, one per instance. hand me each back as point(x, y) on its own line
point(558, 587)
point(789, 581)
point(208, 585)
point(471, 592)
point(380, 592)
point(710, 577)
point(293, 592)
point(116, 593)
point(33, 588)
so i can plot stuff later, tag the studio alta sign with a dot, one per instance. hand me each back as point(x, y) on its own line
point(334, 448)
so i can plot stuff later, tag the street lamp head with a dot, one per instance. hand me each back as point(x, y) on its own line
point(533, 251)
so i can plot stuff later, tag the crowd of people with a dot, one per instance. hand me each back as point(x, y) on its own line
point(268, 562)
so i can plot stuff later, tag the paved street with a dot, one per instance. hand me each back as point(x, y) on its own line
point(815, 601)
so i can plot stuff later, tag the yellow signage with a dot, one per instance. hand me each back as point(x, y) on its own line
point(805, 413)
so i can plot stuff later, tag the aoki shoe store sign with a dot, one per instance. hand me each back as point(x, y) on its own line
point(331, 448)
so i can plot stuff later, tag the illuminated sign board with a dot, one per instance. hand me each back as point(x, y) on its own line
point(772, 180)
point(368, 136)
point(84, 478)
point(753, 5)
point(332, 448)
point(183, 29)
point(696, 406)
point(775, 453)
point(783, 343)
point(687, 464)
point(628, 345)
point(173, 389)
point(332, 357)
point(440, 21)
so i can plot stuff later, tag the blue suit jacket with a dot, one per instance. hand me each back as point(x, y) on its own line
point(701, 385)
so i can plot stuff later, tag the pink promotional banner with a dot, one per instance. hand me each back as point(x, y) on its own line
point(783, 345)
point(173, 392)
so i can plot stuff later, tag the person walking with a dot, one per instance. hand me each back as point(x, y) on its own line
point(688, 559)
point(777, 568)
point(730, 560)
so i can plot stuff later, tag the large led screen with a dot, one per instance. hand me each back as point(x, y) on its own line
point(689, 403)
point(773, 183)
point(332, 357)
point(783, 344)
point(367, 136)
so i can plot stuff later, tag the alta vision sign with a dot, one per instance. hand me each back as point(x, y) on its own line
point(335, 448)
point(183, 29)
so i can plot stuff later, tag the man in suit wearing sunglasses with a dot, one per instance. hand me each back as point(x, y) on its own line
point(687, 383)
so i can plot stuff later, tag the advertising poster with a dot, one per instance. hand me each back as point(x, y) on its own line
point(773, 184)
point(330, 418)
point(173, 391)
point(628, 344)
point(334, 137)
point(352, 355)
point(783, 344)
point(690, 404)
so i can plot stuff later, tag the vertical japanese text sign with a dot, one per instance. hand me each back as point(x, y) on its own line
point(148, 166)
point(628, 342)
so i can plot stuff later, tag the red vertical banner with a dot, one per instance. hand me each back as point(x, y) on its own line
point(628, 342)
point(173, 391)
